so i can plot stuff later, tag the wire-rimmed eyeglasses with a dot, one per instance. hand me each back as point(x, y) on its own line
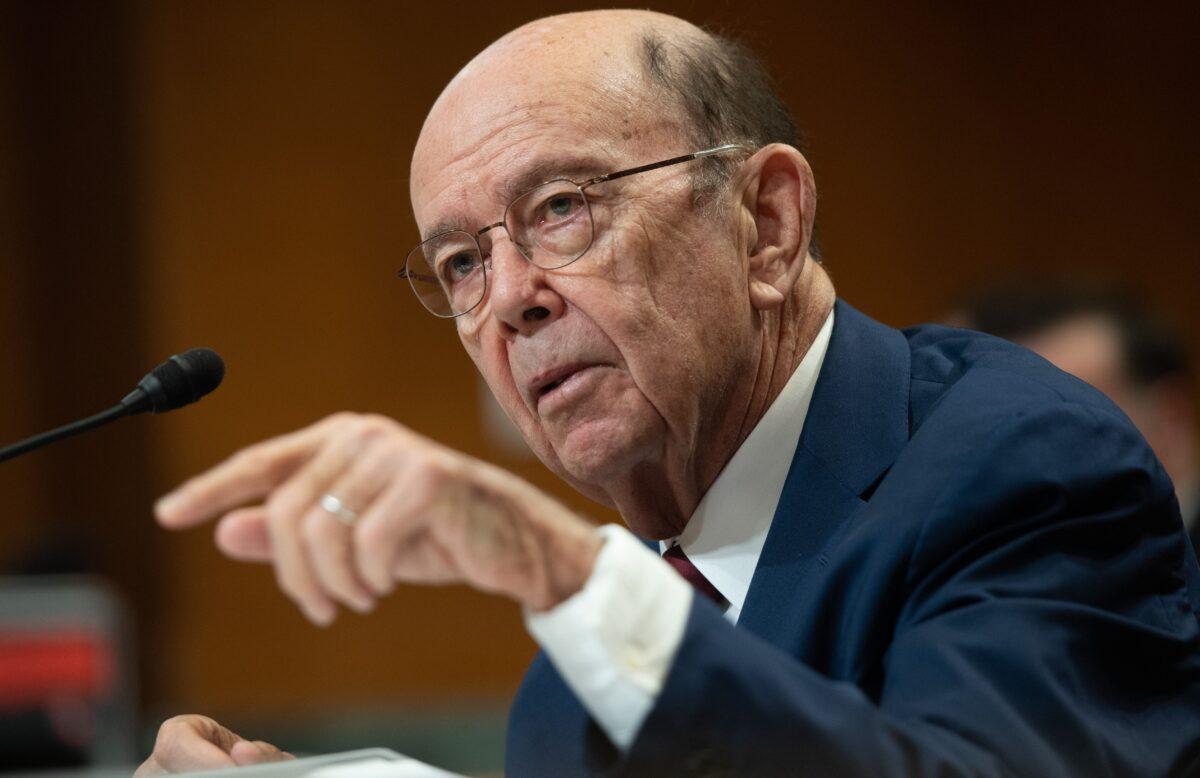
point(550, 224)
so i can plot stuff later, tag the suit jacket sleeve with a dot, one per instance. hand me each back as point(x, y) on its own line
point(1044, 628)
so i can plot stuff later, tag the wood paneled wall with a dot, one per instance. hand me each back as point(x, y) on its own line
point(261, 151)
point(74, 329)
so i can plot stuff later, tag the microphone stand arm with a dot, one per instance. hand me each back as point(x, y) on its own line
point(65, 431)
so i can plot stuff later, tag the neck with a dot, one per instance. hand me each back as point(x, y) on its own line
point(658, 498)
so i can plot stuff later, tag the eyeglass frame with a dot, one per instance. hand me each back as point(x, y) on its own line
point(581, 186)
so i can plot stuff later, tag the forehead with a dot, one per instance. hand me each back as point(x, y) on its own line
point(527, 113)
point(489, 150)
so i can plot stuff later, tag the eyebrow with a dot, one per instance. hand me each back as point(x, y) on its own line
point(576, 168)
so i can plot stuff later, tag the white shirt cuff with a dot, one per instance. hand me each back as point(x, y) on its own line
point(613, 641)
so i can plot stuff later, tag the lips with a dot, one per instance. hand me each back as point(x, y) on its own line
point(548, 380)
point(550, 387)
point(560, 385)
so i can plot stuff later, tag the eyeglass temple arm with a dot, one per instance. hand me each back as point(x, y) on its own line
point(406, 273)
point(666, 162)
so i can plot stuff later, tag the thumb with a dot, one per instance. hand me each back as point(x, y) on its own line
point(243, 535)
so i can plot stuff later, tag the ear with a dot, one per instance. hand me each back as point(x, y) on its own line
point(779, 199)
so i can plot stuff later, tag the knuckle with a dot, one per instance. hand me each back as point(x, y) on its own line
point(429, 479)
point(253, 458)
point(372, 432)
point(264, 745)
point(364, 535)
point(175, 723)
point(426, 472)
point(382, 464)
point(348, 426)
point(280, 507)
point(170, 732)
point(369, 537)
point(340, 419)
point(378, 421)
point(317, 530)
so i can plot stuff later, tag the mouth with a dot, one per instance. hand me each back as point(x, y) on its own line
point(549, 382)
point(550, 387)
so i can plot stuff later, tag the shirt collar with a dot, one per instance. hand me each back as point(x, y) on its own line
point(725, 535)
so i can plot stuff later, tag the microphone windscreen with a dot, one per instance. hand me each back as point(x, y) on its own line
point(204, 369)
point(184, 379)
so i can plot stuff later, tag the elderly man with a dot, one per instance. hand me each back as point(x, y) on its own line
point(917, 553)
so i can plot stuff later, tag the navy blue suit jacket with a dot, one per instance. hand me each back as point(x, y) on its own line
point(977, 567)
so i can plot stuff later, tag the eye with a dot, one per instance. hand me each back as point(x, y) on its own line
point(559, 207)
point(459, 266)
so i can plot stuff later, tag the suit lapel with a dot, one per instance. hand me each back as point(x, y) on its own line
point(856, 425)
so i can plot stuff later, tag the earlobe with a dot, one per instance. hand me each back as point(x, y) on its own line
point(779, 201)
point(764, 296)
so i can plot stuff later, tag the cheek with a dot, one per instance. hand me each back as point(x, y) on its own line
point(682, 257)
point(682, 290)
point(489, 353)
point(491, 359)
point(689, 327)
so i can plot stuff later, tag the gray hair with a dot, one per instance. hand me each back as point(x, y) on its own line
point(726, 96)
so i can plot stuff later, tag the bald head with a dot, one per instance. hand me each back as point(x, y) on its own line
point(711, 89)
point(548, 65)
point(585, 39)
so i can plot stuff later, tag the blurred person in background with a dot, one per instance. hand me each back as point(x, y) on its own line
point(1108, 338)
point(851, 550)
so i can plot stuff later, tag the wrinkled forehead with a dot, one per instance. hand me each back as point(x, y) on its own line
point(523, 103)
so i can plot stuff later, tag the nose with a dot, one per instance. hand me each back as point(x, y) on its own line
point(521, 300)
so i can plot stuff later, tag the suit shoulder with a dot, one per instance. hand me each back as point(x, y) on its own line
point(985, 380)
point(1004, 446)
point(996, 428)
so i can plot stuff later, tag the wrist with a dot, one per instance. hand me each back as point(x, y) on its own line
point(569, 560)
point(554, 550)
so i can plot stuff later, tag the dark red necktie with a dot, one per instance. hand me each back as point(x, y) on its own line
point(676, 558)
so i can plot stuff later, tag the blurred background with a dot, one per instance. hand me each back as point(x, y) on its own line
point(234, 175)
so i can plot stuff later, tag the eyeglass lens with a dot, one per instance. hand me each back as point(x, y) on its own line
point(551, 225)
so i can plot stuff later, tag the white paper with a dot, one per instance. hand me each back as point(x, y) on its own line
point(366, 763)
point(379, 768)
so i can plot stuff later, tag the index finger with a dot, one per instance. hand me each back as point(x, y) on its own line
point(250, 474)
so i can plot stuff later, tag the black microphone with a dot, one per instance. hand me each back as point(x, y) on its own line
point(181, 380)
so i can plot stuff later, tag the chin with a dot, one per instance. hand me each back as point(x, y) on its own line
point(600, 454)
point(652, 528)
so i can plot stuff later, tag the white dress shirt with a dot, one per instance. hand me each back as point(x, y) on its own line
point(614, 640)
